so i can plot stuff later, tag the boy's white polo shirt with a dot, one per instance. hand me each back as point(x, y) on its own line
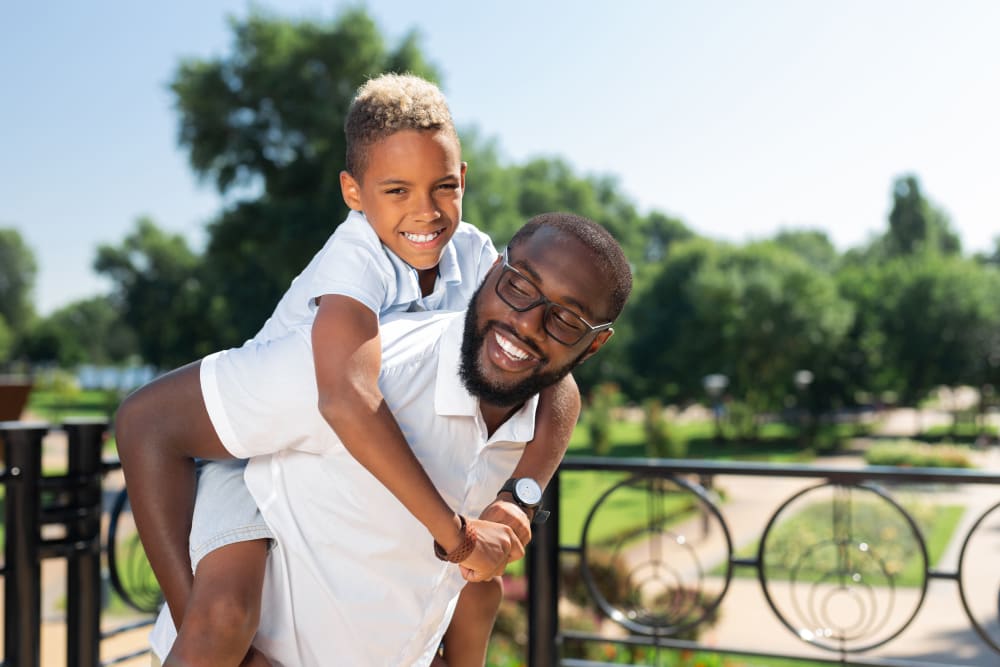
point(352, 579)
point(353, 262)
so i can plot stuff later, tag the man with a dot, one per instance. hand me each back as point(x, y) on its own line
point(353, 578)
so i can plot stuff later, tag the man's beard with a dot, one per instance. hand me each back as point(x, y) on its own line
point(475, 381)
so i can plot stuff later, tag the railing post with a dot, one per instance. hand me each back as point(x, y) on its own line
point(22, 574)
point(83, 567)
point(543, 584)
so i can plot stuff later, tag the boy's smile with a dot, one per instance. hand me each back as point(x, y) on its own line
point(411, 193)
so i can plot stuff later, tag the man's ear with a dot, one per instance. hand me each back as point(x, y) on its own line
point(597, 344)
point(350, 190)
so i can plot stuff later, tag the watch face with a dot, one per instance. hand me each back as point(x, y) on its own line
point(528, 491)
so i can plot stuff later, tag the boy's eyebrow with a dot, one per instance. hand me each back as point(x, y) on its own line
point(582, 309)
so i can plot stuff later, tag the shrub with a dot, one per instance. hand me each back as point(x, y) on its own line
point(660, 439)
point(603, 400)
point(918, 455)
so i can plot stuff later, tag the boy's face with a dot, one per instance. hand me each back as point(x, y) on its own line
point(411, 193)
point(509, 356)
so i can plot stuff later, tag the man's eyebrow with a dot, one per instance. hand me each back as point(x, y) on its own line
point(580, 308)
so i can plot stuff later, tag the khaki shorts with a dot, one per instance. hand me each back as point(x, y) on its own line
point(155, 662)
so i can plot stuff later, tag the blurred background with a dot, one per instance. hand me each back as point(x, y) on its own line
point(806, 192)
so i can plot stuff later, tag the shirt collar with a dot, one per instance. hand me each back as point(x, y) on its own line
point(452, 399)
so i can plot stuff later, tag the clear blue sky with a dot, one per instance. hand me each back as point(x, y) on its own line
point(738, 117)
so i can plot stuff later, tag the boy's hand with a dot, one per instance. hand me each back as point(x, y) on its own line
point(496, 545)
point(509, 514)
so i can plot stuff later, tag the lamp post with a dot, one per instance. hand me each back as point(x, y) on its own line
point(715, 384)
point(803, 379)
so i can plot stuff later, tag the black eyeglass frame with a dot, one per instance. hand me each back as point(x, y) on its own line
point(549, 305)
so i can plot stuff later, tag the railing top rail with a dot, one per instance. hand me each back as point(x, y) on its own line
point(752, 468)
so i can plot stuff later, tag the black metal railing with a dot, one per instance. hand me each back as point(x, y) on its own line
point(58, 516)
point(842, 561)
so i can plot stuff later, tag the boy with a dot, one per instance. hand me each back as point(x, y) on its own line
point(402, 248)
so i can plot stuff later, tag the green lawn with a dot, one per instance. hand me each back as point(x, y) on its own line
point(873, 522)
point(54, 406)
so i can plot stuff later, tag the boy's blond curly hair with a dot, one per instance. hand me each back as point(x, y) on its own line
point(387, 104)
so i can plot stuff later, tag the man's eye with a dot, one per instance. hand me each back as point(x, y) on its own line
point(567, 321)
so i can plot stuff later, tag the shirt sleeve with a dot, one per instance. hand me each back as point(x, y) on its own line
point(352, 267)
point(262, 397)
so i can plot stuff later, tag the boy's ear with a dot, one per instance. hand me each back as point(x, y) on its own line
point(350, 190)
point(465, 166)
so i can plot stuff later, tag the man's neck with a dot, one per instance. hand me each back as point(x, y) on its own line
point(496, 415)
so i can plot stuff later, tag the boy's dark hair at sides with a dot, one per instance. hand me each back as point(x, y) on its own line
point(388, 104)
point(605, 250)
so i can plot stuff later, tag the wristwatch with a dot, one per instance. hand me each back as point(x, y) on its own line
point(527, 495)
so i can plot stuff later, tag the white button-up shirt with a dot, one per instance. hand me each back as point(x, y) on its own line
point(353, 579)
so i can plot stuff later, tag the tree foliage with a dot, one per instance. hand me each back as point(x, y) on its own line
point(756, 314)
point(268, 119)
point(159, 290)
point(88, 331)
point(915, 224)
point(17, 281)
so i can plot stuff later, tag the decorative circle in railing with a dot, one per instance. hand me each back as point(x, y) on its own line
point(129, 570)
point(843, 567)
point(656, 555)
point(979, 576)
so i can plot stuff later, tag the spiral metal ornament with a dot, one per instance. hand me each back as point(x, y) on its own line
point(979, 576)
point(645, 571)
point(832, 576)
point(128, 569)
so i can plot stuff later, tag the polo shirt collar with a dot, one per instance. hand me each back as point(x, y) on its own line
point(408, 284)
point(452, 399)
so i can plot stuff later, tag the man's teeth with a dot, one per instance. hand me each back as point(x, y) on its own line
point(421, 238)
point(511, 349)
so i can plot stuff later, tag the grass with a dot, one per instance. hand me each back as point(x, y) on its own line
point(54, 406)
point(873, 523)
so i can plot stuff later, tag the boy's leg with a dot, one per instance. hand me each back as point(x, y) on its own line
point(468, 636)
point(224, 608)
point(228, 549)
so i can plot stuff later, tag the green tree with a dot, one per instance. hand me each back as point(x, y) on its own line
point(17, 280)
point(268, 118)
point(6, 341)
point(812, 245)
point(915, 224)
point(158, 288)
point(88, 331)
point(756, 314)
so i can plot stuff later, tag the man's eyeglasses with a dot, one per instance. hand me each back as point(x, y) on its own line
point(520, 293)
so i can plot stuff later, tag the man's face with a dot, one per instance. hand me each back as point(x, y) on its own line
point(411, 193)
point(509, 356)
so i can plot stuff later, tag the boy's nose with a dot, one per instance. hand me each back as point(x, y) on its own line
point(425, 209)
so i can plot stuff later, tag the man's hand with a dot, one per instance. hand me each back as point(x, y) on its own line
point(509, 514)
point(496, 545)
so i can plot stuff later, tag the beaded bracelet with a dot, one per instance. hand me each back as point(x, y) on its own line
point(463, 550)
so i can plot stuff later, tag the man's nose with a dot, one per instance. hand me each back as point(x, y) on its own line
point(531, 323)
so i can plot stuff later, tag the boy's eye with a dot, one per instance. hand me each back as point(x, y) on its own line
point(448, 186)
point(395, 191)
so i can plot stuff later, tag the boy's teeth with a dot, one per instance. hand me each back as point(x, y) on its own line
point(511, 349)
point(421, 238)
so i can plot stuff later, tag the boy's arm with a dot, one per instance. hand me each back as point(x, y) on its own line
point(159, 430)
point(558, 412)
point(348, 353)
